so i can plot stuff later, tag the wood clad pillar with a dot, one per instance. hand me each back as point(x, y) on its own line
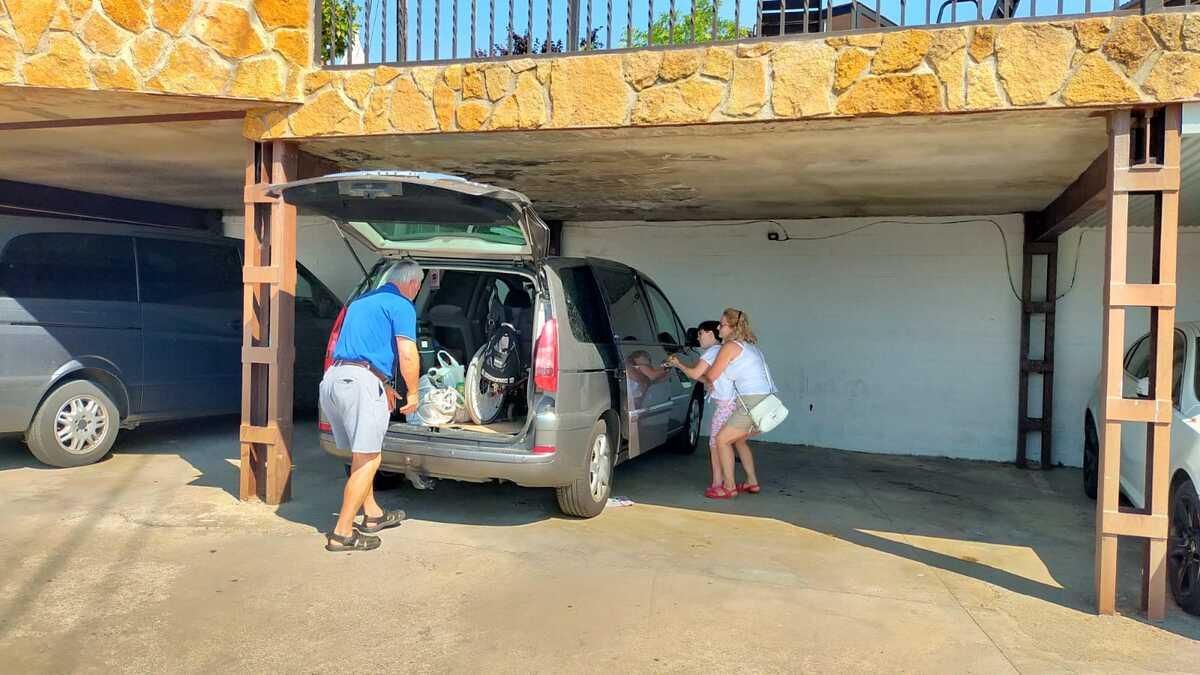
point(268, 346)
point(1144, 147)
point(1043, 424)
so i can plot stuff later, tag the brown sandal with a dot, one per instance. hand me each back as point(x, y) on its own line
point(373, 524)
point(355, 542)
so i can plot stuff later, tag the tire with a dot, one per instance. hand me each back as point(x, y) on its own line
point(685, 442)
point(484, 408)
point(1091, 458)
point(588, 495)
point(1183, 547)
point(84, 416)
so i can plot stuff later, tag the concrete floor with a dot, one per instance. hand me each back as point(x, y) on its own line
point(146, 562)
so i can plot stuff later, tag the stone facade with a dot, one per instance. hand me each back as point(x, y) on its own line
point(1090, 62)
point(249, 49)
point(262, 50)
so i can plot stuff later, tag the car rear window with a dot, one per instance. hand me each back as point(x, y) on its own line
point(626, 305)
point(69, 266)
point(585, 305)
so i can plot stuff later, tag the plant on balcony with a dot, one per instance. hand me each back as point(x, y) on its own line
point(664, 31)
point(339, 24)
point(522, 45)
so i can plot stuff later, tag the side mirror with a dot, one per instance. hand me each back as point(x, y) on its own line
point(1143, 387)
point(693, 337)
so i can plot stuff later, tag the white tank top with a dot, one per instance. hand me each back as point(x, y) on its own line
point(747, 373)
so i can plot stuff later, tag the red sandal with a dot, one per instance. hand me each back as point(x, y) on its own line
point(720, 492)
point(748, 487)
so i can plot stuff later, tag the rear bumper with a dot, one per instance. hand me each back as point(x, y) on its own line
point(480, 462)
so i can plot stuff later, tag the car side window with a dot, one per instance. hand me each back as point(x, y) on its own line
point(666, 325)
point(69, 266)
point(585, 305)
point(626, 306)
point(194, 274)
point(1177, 359)
point(1137, 361)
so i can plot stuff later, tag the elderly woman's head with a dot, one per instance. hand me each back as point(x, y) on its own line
point(735, 325)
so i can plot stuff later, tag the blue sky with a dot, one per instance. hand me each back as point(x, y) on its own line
point(379, 16)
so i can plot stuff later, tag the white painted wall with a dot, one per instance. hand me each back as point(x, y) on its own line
point(899, 338)
point(902, 338)
point(320, 249)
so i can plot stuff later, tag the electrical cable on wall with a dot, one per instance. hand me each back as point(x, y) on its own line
point(782, 235)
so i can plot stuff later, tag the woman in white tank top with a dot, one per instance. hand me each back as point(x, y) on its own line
point(719, 394)
point(740, 366)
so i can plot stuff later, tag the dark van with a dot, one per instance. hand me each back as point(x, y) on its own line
point(105, 326)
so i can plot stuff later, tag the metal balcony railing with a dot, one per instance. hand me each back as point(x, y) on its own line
point(370, 32)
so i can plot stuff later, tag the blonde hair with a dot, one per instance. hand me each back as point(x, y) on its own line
point(739, 325)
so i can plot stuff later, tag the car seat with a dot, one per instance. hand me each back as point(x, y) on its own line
point(453, 332)
point(518, 310)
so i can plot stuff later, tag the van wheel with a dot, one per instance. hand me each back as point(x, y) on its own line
point(76, 425)
point(588, 495)
point(685, 441)
point(1183, 547)
point(1091, 458)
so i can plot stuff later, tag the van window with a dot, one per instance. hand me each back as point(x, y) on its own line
point(668, 330)
point(69, 266)
point(626, 306)
point(585, 306)
point(194, 274)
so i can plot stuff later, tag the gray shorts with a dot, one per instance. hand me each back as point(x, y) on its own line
point(355, 405)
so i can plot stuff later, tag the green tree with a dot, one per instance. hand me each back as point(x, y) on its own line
point(664, 31)
point(339, 23)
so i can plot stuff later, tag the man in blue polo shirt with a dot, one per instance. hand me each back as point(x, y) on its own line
point(378, 332)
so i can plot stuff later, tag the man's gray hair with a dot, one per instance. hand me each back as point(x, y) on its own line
point(403, 272)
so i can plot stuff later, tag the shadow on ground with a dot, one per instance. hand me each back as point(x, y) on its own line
point(901, 506)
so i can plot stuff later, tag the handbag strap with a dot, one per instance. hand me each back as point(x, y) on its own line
point(762, 361)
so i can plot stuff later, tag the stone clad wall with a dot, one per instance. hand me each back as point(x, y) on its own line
point(1098, 61)
point(252, 49)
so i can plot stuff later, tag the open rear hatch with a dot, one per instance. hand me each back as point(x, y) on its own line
point(424, 215)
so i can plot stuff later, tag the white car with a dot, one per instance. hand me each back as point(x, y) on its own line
point(1183, 544)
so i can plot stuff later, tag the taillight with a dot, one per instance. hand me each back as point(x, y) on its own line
point(333, 338)
point(543, 450)
point(545, 360)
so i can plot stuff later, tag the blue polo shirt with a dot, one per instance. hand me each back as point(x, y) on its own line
point(372, 324)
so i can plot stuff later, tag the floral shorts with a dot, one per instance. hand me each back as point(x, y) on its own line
point(722, 410)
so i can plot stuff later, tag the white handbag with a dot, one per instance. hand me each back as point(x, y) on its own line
point(769, 412)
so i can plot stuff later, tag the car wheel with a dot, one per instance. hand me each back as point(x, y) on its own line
point(1183, 547)
point(1091, 458)
point(77, 424)
point(685, 441)
point(587, 496)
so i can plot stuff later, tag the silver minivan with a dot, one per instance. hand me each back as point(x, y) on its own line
point(104, 326)
point(593, 337)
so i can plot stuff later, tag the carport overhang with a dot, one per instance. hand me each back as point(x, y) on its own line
point(1046, 163)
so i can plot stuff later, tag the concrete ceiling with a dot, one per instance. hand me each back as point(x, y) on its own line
point(83, 140)
point(933, 165)
point(27, 104)
point(200, 164)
